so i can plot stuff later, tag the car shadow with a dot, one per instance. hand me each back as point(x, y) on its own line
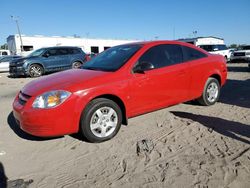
point(3, 177)
point(232, 129)
point(236, 92)
point(238, 69)
point(80, 137)
point(19, 132)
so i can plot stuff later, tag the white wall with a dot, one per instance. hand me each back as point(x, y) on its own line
point(41, 41)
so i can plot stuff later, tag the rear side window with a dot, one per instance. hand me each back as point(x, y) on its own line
point(163, 55)
point(52, 52)
point(63, 51)
point(75, 51)
point(192, 54)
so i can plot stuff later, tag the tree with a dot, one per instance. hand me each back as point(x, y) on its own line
point(233, 46)
point(4, 46)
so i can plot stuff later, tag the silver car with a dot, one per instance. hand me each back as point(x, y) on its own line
point(5, 60)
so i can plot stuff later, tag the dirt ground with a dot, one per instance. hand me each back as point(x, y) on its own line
point(186, 145)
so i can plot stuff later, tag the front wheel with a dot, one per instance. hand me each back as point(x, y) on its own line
point(76, 65)
point(35, 70)
point(211, 92)
point(101, 120)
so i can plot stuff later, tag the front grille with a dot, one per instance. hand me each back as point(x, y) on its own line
point(239, 53)
point(23, 98)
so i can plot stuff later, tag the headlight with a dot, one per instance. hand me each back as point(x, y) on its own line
point(51, 99)
point(19, 62)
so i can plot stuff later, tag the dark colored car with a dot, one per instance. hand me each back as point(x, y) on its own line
point(121, 82)
point(46, 60)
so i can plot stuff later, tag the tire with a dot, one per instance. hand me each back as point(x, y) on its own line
point(35, 70)
point(76, 65)
point(226, 59)
point(101, 120)
point(211, 92)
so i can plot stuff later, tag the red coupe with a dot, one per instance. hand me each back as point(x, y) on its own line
point(121, 82)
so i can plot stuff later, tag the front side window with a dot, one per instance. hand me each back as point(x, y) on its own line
point(112, 59)
point(37, 52)
point(163, 55)
point(208, 48)
point(222, 47)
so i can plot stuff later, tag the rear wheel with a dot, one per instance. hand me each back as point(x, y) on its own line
point(76, 65)
point(210, 93)
point(101, 120)
point(36, 70)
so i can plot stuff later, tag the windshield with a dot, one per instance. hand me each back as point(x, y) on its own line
point(37, 52)
point(112, 59)
point(245, 47)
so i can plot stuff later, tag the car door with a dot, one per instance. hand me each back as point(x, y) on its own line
point(54, 59)
point(4, 63)
point(64, 58)
point(165, 84)
point(198, 68)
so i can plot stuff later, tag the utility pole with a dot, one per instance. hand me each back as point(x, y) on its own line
point(18, 29)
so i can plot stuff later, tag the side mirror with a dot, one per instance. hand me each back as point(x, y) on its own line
point(142, 67)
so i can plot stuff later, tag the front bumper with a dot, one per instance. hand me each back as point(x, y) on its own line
point(57, 121)
point(17, 71)
point(246, 58)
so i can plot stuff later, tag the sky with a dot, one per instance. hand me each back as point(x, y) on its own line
point(128, 19)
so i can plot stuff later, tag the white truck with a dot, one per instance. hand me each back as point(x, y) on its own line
point(4, 52)
point(213, 45)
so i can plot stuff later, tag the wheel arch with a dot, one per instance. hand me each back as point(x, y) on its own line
point(119, 102)
point(217, 77)
point(76, 60)
point(34, 63)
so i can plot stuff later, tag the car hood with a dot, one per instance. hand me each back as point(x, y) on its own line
point(69, 80)
point(21, 59)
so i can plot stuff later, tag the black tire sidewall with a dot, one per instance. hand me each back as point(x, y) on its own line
point(87, 114)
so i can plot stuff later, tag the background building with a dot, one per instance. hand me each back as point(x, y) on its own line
point(31, 43)
point(203, 40)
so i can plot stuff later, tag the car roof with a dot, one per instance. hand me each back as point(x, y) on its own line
point(60, 47)
point(159, 42)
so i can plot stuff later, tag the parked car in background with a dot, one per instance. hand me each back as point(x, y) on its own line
point(5, 60)
point(90, 56)
point(242, 54)
point(46, 60)
point(121, 82)
point(220, 49)
point(4, 52)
